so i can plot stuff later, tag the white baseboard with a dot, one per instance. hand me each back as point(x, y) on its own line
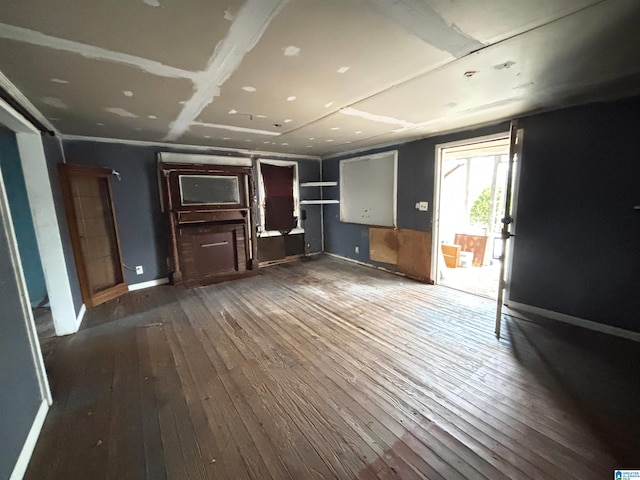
point(149, 284)
point(364, 264)
point(83, 310)
point(30, 443)
point(578, 322)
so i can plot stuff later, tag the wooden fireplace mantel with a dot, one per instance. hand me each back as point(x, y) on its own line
point(210, 242)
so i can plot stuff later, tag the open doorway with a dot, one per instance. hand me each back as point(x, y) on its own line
point(470, 195)
point(22, 221)
point(35, 175)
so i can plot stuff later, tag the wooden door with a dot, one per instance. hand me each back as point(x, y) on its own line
point(94, 234)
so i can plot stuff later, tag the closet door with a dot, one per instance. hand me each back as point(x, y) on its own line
point(94, 234)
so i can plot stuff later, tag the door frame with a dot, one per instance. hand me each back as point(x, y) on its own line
point(46, 400)
point(39, 191)
point(437, 190)
point(30, 325)
point(261, 196)
point(28, 137)
point(514, 213)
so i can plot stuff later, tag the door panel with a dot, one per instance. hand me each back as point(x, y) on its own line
point(515, 149)
point(211, 252)
point(94, 234)
point(216, 253)
point(97, 233)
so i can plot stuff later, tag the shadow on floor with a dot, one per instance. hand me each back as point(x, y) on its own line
point(597, 372)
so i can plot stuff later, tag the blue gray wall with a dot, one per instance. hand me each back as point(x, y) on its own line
point(20, 395)
point(416, 168)
point(21, 216)
point(309, 171)
point(577, 249)
point(143, 228)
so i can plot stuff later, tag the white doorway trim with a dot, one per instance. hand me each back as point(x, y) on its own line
point(27, 316)
point(514, 213)
point(260, 192)
point(36, 176)
point(435, 229)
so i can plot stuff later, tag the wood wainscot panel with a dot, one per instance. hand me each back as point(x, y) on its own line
point(280, 248)
point(270, 249)
point(409, 250)
point(414, 254)
point(383, 245)
point(294, 245)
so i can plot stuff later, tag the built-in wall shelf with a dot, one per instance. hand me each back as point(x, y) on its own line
point(319, 184)
point(318, 202)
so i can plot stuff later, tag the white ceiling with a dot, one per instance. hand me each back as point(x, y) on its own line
point(312, 77)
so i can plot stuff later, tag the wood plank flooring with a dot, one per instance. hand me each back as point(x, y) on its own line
point(328, 370)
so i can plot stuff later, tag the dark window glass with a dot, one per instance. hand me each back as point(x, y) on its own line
point(279, 204)
point(209, 189)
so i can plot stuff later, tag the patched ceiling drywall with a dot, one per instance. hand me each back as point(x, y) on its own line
point(311, 77)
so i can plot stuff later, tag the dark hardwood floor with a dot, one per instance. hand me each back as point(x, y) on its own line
point(325, 369)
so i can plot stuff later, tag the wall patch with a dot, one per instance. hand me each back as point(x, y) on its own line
point(291, 51)
point(55, 102)
point(121, 112)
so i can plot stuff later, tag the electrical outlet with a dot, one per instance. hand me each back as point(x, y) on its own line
point(357, 248)
point(423, 206)
point(139, 270)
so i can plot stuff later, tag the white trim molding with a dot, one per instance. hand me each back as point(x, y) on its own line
point(80, 317)
point(27, 313)
point(204, 159)
point(48, 235)
point(365, 264)
point(262, 196)
point(22, 463)
point(149, 284)
point(18, 96)
point(14, 120)
point(186, 146)
point(578, 322)
point(436, 258)
point(34, 165)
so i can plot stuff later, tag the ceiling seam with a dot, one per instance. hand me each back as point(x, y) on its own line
point(16, 96)
point(248, 26)
point(178, 146)
point(33, 37)
point(439, 67)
